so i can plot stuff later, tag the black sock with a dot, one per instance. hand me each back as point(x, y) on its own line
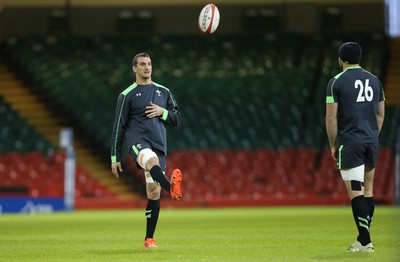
point(371, 207)
point(152, 212)
point(362, 219)
point(159, 177)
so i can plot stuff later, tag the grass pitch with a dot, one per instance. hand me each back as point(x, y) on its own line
point(227, 234)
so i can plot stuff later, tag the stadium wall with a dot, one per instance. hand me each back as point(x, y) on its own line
point(293, 16)
point(164, 3)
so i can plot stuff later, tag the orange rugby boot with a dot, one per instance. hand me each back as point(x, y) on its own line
point(150, 243)
point(176, 179)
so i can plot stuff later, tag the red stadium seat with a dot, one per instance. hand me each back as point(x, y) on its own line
point(44, 176)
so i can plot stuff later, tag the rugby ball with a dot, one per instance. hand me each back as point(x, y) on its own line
point(209, 19)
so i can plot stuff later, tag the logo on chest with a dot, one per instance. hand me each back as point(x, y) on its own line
point(158, 92)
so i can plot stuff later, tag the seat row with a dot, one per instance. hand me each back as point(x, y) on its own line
point(300, 173)
point(17, 135)
point(208, 175)
point(265, 90)
point(43, 176)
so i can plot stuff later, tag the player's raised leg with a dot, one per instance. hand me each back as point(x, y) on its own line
point(149, 161)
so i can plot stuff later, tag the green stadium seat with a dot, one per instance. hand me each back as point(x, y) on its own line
point(232, 89)
point(16, 135)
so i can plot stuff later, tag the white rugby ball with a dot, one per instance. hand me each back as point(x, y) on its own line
point(209, 19)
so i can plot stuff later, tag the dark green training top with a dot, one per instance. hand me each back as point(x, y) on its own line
point(132, 121)
point(357, 93)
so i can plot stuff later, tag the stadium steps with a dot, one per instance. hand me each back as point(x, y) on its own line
point(28, 106)
point(392, 91)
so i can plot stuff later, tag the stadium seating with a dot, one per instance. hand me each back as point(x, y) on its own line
point(17, 135)
point(43, 176)
point(251, 175)
point(29, 164)
point(212, 78)
point(252, 105)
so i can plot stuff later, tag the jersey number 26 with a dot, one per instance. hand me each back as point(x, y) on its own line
point(365, 93)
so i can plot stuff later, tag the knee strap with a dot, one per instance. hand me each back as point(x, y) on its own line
point(144, 156)
point(356, 185)
point(356, 173)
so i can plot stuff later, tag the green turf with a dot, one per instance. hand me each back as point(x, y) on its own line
point(231, 234)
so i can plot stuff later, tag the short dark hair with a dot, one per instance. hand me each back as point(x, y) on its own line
point(135, 58)
point(350, 53)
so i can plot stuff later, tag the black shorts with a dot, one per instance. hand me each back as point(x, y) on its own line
point(161, 157)
point(357, 154)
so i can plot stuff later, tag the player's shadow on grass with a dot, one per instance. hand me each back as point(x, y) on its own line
point(343, 256)
point(128, 251)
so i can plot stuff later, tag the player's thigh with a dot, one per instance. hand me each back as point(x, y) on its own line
point(354, 180)
point(351, 165)
point(151, 157)
point(141, 157)
point(145, 157)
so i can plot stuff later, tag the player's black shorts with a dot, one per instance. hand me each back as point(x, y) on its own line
point(357, 154)
point(161, 157)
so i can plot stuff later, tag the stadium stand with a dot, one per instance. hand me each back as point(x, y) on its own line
point(31, 166)
point(17, 135)
point(41, 175)
point(252, 108)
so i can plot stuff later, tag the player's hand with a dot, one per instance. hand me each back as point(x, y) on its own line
point(334, 152)
point(154, 110)
point(115, 167)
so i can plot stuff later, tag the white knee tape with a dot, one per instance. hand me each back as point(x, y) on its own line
point(149, 179)
point(144, 156)
point(356, 173)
